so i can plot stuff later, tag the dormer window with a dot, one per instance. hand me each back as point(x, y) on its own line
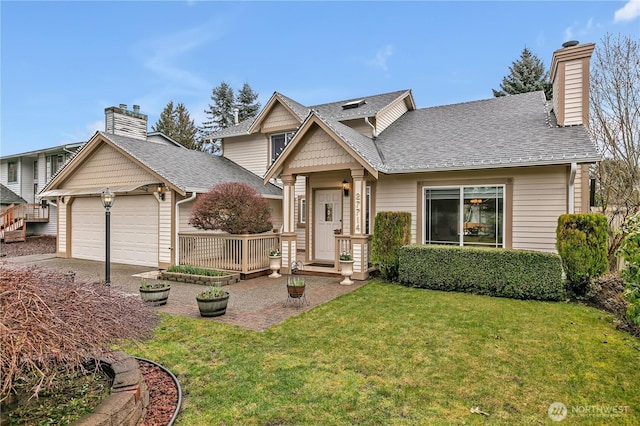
point(354, 104)
point(279, 142)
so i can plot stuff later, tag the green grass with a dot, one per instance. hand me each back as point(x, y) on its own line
point(386, 354)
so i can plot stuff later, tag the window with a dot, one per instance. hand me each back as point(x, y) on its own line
point(465, 216)
point(35, 170)
point(279, 143)
point(12, 171)
point(302, 211)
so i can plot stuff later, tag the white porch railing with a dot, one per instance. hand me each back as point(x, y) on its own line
point(245, 254)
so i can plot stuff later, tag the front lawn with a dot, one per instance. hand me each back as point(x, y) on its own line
point(386, 354)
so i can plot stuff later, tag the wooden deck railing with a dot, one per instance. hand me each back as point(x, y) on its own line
point(14, 218)
point(245, 254)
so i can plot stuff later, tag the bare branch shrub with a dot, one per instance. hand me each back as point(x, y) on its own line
point(51, 326)
point(232, 207)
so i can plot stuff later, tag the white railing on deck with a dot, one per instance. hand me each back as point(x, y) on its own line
point(238, 253)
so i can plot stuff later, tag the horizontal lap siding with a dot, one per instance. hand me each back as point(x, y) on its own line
point(539, 198)
point(573, 93)
point(249, 152)
point(390, 115)
point(398, 194)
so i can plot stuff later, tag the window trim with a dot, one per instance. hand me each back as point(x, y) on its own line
point(13, 172)
point(302, 211)
point(506, 207)
point(287, 139)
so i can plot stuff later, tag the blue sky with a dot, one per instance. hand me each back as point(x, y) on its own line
point(63, 63)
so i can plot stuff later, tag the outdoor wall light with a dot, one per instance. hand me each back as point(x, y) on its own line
point(162, 189)
point(345, 188)
point(107, 198)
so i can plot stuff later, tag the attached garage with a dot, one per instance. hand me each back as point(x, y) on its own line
point(134, 229)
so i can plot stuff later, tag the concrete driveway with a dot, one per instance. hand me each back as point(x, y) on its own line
point(256, 304)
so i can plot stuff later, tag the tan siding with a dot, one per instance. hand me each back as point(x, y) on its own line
point(107, 167)
point(535, 213)
point(390, 115)
point(185, 214)
point(164, 229)
point(248, 151)
point(319, 150)
point(573, 93)
point(577, 190)
point(398, 194)
point(278, 118)
point(539, 197)
point(360, 126)
point(62, 227)
point(301, 184)
point(556, 99)
point(276, 213)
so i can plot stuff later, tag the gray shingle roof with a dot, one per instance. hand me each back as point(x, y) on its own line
point(500, 132)
point(332, 110)
point(192, 171)
point(7, 196)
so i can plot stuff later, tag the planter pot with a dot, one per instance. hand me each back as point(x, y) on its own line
point(213, 307)
point(295, 292)
point(275, 263)
point(156, 296)
point(346, 270)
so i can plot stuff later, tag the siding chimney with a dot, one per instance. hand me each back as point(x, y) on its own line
point(120, 121)
point(570, 79)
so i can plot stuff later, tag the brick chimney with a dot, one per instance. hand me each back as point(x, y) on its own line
point(120, 121)
point(570, 79)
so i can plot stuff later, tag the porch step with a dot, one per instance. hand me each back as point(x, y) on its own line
point(318, 272)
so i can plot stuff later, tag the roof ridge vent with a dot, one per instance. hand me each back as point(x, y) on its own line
point(354, 104)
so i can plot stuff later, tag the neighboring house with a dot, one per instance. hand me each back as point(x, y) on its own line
point(26, 174)
point(155, 186)
point(8, 197)
point(493, 173)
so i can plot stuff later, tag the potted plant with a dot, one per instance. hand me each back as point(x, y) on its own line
point(346, 267)
point(275, 263)
point(295, 287)
point(154, 293)
point(213, 301)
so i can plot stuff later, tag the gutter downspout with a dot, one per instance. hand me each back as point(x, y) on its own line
point(177, 226)
point(572, 178)
point(373, 129)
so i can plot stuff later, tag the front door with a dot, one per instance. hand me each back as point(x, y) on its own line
point(328, 217)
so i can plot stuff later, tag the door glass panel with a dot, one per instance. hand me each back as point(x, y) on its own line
point(328, 212)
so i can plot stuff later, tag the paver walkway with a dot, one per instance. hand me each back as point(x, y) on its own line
point(256, 304)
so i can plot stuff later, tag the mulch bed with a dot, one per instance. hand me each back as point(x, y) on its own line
point(32, 245)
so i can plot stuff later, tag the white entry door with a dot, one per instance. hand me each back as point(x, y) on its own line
point(328, 217)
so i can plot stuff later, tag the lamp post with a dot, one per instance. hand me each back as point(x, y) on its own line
point(107, 201)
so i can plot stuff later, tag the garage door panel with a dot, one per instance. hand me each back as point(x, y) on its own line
point(134, 230)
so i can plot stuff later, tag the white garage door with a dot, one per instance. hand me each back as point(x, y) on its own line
point(134, 230)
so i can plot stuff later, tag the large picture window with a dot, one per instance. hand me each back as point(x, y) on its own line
point(278, 143)
point(464, 215)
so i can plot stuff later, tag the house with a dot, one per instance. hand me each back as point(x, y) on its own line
point(155, 182)
point(25, 175)
point(493, 173)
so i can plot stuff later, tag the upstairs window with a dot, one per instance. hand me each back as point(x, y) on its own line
point(12, 172)
point(35, 170)
point(279, 142)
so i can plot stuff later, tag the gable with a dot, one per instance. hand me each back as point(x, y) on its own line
point(279, 118)
point(107, 167)
point(319, 149)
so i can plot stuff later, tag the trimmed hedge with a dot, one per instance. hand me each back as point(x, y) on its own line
point(582, 245)
point(515, 274)
point(392, 231)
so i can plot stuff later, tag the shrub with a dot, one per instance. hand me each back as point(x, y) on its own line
point(194, 270)
point(233, 207)
point(582, 245)
point(515, 274)
point(630, 252)
point(392, 231)
point(51, 327)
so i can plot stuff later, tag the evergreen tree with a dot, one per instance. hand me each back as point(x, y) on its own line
point(220, 114)
point(526, 75)
point(246, 102)
point(178, 125)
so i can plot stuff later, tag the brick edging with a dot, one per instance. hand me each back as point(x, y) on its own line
point(129, 398)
